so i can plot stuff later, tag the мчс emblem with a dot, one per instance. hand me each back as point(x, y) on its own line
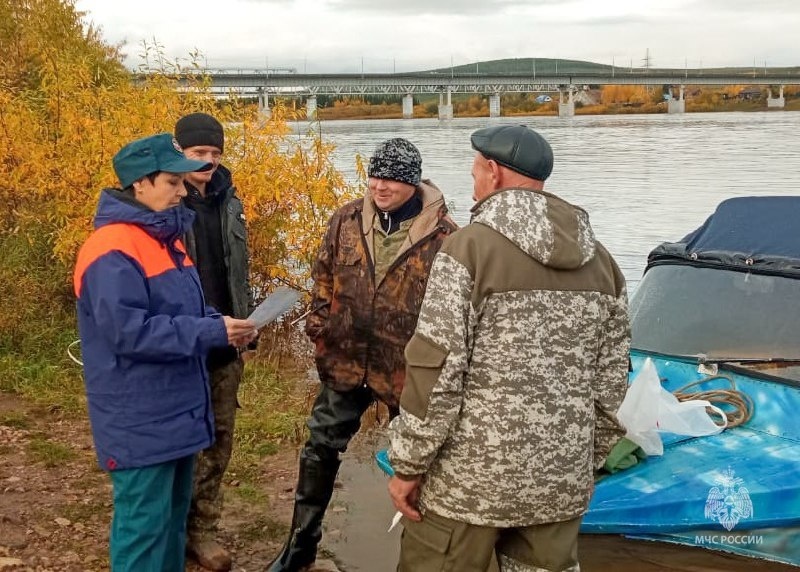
point(729, 502)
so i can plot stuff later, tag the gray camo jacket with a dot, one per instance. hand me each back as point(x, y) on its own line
point(517, 366)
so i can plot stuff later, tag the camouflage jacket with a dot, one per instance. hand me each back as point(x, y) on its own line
point(517, 366)
point(360, 328)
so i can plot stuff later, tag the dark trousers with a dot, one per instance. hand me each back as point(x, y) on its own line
point(334, 420)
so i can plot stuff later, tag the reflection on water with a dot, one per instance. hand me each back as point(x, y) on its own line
point(644, 179)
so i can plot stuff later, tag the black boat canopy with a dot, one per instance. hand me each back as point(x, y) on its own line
point(730, 290)
point(752, 234)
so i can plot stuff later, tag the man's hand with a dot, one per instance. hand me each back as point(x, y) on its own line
point(405, 494)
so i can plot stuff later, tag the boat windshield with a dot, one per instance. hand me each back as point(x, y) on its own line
point(717, 314)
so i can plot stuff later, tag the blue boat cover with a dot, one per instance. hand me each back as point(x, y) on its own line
point(737, 491)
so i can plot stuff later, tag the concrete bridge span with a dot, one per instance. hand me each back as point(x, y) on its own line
point(266, 83)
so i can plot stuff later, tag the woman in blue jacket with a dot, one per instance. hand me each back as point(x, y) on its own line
point(145, 332)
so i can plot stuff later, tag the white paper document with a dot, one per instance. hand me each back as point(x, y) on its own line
point(274, 306)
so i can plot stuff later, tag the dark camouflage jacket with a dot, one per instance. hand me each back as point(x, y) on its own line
point(360, 328)
point(517, 367)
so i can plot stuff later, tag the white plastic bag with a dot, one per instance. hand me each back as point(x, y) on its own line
point(649, 408)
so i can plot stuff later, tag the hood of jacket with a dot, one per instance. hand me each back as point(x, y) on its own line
point(544, 226)
point(424, 222)
point(116, 206)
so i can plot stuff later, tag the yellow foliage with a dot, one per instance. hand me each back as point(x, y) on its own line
point(623, 94)
point(732, 90)
point(67, 105)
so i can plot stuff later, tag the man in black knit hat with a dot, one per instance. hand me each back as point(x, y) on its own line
point(369, 280)
point(217, 243)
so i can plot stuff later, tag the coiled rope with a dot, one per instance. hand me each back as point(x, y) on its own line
point(738, 406)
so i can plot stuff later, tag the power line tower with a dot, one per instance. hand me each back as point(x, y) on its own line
point(647, 62)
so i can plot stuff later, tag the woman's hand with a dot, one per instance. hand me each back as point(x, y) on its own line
point(240, 332)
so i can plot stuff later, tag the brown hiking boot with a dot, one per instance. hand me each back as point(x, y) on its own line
point(209, 554)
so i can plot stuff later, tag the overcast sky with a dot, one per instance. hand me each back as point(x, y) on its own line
point(317, 36)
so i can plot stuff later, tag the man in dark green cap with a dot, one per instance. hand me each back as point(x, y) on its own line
point(514, 373)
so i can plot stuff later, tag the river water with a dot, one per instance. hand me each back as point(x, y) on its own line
point(643, 179)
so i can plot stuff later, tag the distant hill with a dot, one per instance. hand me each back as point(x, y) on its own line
point(545, 66)
point(526, 66)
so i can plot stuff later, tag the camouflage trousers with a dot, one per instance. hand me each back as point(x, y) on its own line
point(211, 463)
point(438, 543)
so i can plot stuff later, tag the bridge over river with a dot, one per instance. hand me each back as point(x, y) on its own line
point(266, 83)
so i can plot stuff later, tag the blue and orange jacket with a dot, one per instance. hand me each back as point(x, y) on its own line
point(145, 331)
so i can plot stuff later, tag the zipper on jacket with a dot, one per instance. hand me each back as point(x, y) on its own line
point(370, 264)
point(407, 253)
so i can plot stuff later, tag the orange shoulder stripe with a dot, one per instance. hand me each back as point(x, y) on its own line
point(132, 241)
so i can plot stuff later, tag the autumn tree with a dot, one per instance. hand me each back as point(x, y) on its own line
point(67, 104)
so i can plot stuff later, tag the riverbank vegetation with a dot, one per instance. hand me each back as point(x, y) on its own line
point(603, 100)
point(67, 104)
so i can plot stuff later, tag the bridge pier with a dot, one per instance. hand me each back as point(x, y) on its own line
point(566, 102)
point(445, 109)
point(775, 102)
point(494, 105)
point(311, 108)
point(263, 104)
point(677, 105)
point(408, 106)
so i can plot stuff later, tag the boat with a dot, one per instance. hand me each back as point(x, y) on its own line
point(720, 307)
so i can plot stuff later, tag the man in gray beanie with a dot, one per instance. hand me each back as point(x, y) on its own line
point(369, 279)
point(217, 243)
point(514, 374)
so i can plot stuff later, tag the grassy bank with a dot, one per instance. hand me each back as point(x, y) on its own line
point(274, 399)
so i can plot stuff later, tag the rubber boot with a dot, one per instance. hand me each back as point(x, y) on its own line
point(314, 489)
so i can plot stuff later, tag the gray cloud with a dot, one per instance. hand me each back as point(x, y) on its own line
point(452, 7)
